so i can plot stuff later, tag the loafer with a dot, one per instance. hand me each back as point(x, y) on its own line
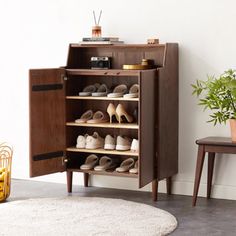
point(90, 162)
point(85, 117)
point(118, 91)
point(105, 163)
point(99, 117)
point(126, 165)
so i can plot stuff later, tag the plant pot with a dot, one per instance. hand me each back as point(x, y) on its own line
point(233, 129)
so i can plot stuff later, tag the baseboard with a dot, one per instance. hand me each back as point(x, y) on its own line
point(178, 187)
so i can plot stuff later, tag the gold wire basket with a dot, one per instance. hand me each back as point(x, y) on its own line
point(5, 171)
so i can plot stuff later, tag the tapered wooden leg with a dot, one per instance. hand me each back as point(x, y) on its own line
point(168, 185)
point(69, 175)
point(211, 161)
point(154, 189)
point(198, 172)
point(86, 179)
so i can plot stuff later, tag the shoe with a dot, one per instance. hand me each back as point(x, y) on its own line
point(133, 91)
point(118, 91)
point(90, 162)
point(99, 117)
point(105, 163)
point(101, 91)
point(123, 144)
point(81, 141)
point(121, 112)
point(94, 141)
point(111, 110)
point(135, 169)
point(126, 165)
point(110, 143)
point(134, 145)
point(88, 90)
point(85, 117)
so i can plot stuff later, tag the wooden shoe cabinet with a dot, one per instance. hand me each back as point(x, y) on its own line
point(55, 104)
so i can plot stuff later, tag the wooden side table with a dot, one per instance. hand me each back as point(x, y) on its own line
point(212, 145)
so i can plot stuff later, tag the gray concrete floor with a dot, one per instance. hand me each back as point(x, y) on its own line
point(209, 217)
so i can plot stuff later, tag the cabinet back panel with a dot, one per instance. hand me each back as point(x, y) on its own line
point(79, 56)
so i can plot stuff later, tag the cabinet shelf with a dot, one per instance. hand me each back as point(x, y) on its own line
point(105, 125)
point(101, 72)
point(109, 173)
point(102, 151)
point(102, 98)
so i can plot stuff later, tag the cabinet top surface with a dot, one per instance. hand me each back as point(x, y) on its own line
point(116, 45)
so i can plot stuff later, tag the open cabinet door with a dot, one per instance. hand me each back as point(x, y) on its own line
point(147, 127)
point(47, 121)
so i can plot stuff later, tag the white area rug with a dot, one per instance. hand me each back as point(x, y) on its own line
point(83, 216)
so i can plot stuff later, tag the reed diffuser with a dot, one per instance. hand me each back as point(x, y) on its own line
point(97, 29)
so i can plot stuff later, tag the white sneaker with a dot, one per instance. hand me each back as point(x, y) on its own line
point(122, 144)
point(94, 141)
point(81, 141)
point(134, 145)
point(110, 143)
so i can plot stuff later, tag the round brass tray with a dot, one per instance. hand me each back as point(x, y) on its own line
point(136, 67)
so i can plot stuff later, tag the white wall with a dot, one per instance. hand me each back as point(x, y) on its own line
point(36, 34)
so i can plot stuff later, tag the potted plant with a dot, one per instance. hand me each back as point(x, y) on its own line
point(219, 95)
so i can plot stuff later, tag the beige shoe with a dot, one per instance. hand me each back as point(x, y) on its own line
point(94, 141)
point(123, 144)
point(135, 169)
point(118, 91)
point(81, 141)
point(134, 145)
point(133, 91)
point(99, 117)
point(126, 165)
point(111, 110)
point(105, 163)
point(110, 143)
point(85, 117)
point(90, 162)
point(121, 112)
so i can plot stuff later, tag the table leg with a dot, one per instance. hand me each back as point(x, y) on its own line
point(154, 189)
point(69, 175)
point(168, 185)
point(211, 161)
point(198, 173)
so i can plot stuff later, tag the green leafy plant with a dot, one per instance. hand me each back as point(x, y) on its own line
point(218, 95)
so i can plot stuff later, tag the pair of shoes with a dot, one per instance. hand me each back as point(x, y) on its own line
point(90, 117)
point(119, 112)
point(102, 164)
point(122, 89)
point(96, 90)
point(90, 141)
point(120, 144)
point(128, 165)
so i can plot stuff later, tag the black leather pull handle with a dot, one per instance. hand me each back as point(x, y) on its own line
point(46, 87)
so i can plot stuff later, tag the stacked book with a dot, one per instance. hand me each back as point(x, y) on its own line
point(101, 40)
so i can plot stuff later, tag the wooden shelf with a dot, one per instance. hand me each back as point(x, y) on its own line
point(103, 98)
point(109, 173)
point(103, 72)
point(102, 151)
point(105, 125)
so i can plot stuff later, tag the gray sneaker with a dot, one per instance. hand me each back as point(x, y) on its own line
point(110, 143)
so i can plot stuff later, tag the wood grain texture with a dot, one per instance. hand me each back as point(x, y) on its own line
point(146, 124)
point(47, 121)
point(167, 115)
